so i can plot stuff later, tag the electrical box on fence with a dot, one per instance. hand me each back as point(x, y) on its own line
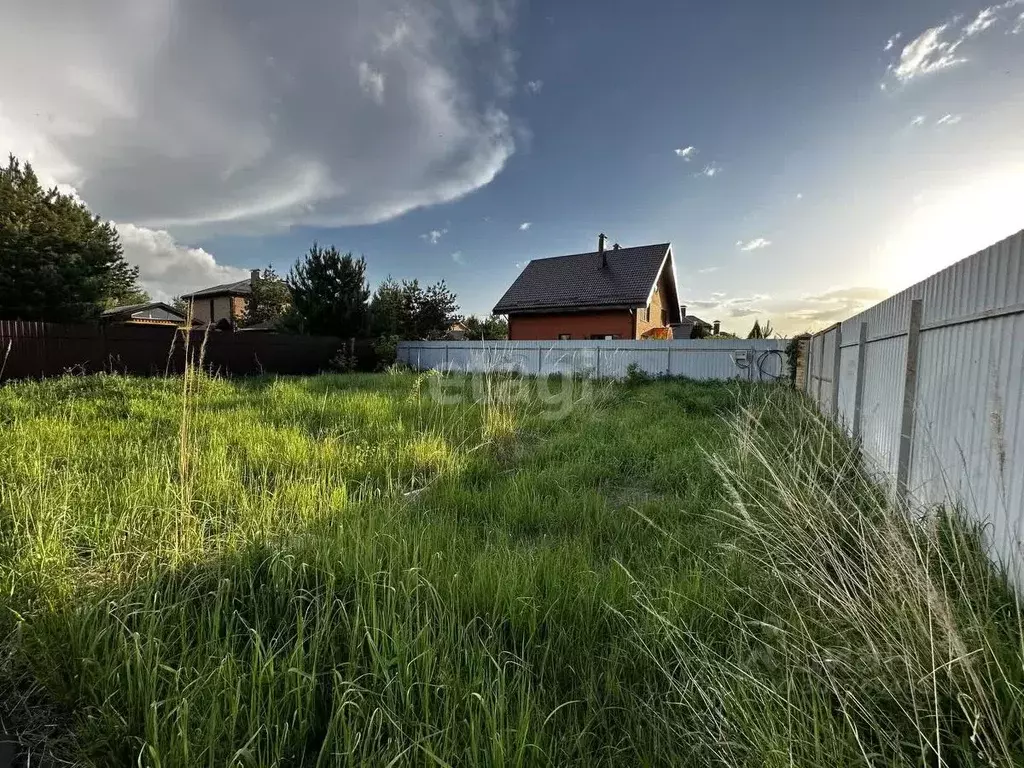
point(742, 357)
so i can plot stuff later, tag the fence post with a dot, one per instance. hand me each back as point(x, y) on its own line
point(668, 362)
point(858, 397)
point(909, 401)
point(837, 369)
point(540, 359)
point(446, 358)
point(598, 374)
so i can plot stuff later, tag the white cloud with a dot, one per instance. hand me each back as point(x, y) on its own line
point(799, 195)
point(985, 19)
point(168, 268)
point(173, 115)
point(949, 120)
point(939, 47)
point(917, 121)
point(458, 258)
point(753, 245)
point(434, 235)
point(1019, 26)
point(534, 86)
point(710, 170)
point(686, 153)
point(707, 270)
point(788, 315)
point(525, 226)
point(927, 53)
point(372, 82)
point(891, 42)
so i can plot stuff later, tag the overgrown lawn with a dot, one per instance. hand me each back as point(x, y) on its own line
point(400, 569)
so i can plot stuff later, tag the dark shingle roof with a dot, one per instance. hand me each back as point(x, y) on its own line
point(131, 309)
point(241, 288)
point(579, 280)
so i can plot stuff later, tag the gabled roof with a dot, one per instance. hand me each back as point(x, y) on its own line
point(241, 288)
point(696, 320)
point(132, 309)
point(579, 281)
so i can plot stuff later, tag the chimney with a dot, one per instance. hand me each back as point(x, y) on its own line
point(682, 312)
point(716, 328)
point(616, 247)
point(254, 274)
point(600, 249)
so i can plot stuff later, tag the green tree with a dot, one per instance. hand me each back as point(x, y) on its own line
point(388, 309)
point(128, 299)
point(437, 309)
point(409, 311)
point(492, 328)
point(330, 293)
point(269, 301)
point(58, 262)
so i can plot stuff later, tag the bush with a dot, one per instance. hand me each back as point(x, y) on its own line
point(386, 350)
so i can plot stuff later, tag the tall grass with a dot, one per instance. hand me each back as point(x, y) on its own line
point(859, 633)
point(355, 570)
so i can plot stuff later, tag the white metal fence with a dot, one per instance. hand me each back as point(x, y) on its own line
point(748, 359)
point(932, 383)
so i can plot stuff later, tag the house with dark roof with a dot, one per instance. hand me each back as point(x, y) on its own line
point(610, 293)
point(153, 313)
point(692, 327)
point(222, 302)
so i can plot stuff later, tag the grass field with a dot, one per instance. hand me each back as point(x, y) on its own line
point(404, 569)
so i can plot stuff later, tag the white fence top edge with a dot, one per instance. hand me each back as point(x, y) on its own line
point(724, 344)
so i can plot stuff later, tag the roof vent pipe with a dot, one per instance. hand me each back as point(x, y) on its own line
point(600, 249)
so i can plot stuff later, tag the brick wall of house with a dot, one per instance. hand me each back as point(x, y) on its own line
point(580, 325)
point(201, 309)
point(211, 309)
point(658, 309)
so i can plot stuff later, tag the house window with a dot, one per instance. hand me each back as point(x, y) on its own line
point(604, 336)
point(664, 317)
point(647, 314)
point(564, 336)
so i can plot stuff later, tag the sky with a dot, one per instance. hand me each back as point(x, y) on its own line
point(805, 160)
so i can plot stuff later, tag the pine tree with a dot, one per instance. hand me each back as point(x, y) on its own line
point(58, 262)
point(330, 293)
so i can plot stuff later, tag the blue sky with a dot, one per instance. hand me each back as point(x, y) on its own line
point(804, 160)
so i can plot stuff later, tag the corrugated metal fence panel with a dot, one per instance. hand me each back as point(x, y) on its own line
point(884, 364)
point(847, 383)
point(826, 361)
point(607, 359)
point(819, 351)
point(969, 435)
point(968, 427)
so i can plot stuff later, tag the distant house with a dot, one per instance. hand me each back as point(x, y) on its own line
point(616, 293)
point(456, 331)
point(222, 302)
point(153, 313)
point(692, 326)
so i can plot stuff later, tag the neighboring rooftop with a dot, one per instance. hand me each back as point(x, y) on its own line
point(133, 309)
point(584, 280)
point(241, 288)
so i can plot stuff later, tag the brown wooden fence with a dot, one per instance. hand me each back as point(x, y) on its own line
point(33, 350)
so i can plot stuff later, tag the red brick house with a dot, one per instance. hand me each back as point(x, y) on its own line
point(221, 302)
point(616, 293)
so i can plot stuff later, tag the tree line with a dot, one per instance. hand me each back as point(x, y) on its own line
point(61, 263)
